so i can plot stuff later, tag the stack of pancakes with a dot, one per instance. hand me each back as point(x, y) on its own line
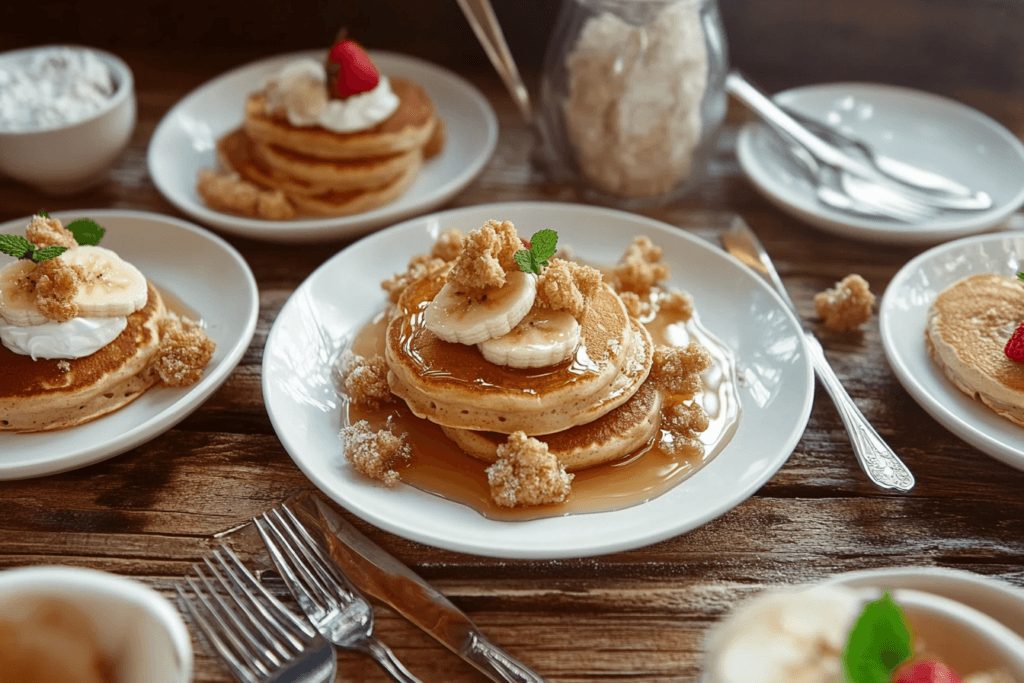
point(596, 407)
point(324, 173)
point(42, 395)
point(968, 327)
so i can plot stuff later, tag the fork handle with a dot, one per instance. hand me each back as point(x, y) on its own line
point(878, 461)
point(386, 658)
point(498, 664)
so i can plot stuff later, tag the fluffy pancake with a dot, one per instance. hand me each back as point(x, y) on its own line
point(453, 385)
point(335, 203)
point(410, 127)
point(41, 396)
point(610, 437)
point(968, 327)
point(330, 174)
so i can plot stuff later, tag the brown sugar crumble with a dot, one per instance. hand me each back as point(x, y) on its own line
point(228, 192)
point(679, 369)
point(568, 286)
point(49, 232)
point(487, 253)
point(420, 265)
point(184, 352)
point(448, 245)
point(684, 423)
point(375, 454)
point(846, 306)
point(640, 268)
point(56, 285)
point(527, 474)
point(64, 366)
point(678, 303)
point(365, 380)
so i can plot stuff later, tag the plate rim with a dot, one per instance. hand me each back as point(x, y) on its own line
point(308, 230)
point(851, 226)
point(640, 540)
point(940, 410)
point(184, 406)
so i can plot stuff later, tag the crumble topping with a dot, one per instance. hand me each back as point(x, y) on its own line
point(684, 424)
point(49, 232)
point(638, 308)
point(228, 192)
point(64, 366)
point(56, 285)
point(568, 286)
point(526, 474)
point(448, 245)
point(487, 253)
point(640, 268)
point(184, 352)
point(846, 306)
point(679, 369)
point(365, 379)
point(678, 303)
point(375, 454)
point(420, 265)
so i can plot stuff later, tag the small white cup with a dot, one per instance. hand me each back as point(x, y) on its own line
point(139, 629)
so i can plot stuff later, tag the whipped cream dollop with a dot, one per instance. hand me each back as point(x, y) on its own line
point(76, 338)
point(785, 637)
point(300, 92)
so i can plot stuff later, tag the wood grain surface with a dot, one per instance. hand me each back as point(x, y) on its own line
point(639, 616)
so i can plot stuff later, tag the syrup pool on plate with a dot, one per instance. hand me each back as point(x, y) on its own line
point(440, 467)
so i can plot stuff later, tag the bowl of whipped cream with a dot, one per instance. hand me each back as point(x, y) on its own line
point(66, 115)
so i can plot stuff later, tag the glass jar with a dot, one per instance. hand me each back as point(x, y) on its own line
point(632, 96)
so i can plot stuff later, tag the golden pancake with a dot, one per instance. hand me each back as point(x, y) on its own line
point(610, 437)
point(42, 395)
point(410, 127)
point(968, 327)
point(356, 201)
point(330, 174)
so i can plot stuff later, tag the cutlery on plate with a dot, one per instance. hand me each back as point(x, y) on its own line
point(855, 170)
point(256, 637)
point(332, 604)
point(378, 574)
point(879, 462)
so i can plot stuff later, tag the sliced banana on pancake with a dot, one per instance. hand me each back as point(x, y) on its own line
point(543, 338)
point(18, 303)
point(458, 316)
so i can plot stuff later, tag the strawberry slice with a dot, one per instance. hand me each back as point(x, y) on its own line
point(350, 71)
point(1014, 348)
point(925, 671)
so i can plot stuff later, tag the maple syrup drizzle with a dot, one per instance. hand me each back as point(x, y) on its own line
point(440, 467)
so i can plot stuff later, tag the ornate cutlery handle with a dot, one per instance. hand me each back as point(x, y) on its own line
point(878, 461)
point(498, 664)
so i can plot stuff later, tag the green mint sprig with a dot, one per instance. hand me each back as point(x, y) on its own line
point(86, 231)
point(1020, 276)
point(878, 643)
point(542, 247)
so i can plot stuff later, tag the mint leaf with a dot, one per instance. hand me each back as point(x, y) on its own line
point(878, 643)
point(1021, 276)
point(47, 253)
point(86, 231)
point(43, 214)
point(15, 245)
point(542, 244)
point(525, 261)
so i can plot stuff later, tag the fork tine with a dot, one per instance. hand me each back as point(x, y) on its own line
point(311, 597)
point(291, 551)
point(331, 572)
point(238, 667)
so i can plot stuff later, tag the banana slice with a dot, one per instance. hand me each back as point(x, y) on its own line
point(544, 337)
point(456, 316)
point(17, 303)
point(112, 287)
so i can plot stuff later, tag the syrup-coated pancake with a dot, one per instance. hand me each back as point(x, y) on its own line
point(40, 396)
point(610, 437)
point(968, 327)
point(409, 128)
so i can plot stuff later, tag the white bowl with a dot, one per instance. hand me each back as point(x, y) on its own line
point(140, 630)
point(73, 157)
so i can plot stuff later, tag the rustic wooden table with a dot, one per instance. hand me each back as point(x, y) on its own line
point(638, 615)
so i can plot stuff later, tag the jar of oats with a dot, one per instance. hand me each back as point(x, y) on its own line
point(632, 96)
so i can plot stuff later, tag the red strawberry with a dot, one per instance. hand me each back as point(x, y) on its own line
point(1014, 348)
point(350, 70)
point(925, 672)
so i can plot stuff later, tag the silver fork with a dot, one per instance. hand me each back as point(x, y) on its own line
point(256, 637)
point(335, 607)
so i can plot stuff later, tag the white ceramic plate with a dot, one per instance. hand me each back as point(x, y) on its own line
point(184, 142)
point(903, 316)
point(928, 131)
point(776, 390)
point(201, 270)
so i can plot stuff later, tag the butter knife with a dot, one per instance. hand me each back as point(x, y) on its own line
point(876, 458)
point(377, 573)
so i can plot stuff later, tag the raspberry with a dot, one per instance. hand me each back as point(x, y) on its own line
point(925, 672)
point(1014, 348)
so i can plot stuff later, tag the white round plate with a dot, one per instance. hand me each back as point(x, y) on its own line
point(998, 599)
point(776, 389)
point(928, 131)
point(202, 271)
point(185, 139)
point(903, 316)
